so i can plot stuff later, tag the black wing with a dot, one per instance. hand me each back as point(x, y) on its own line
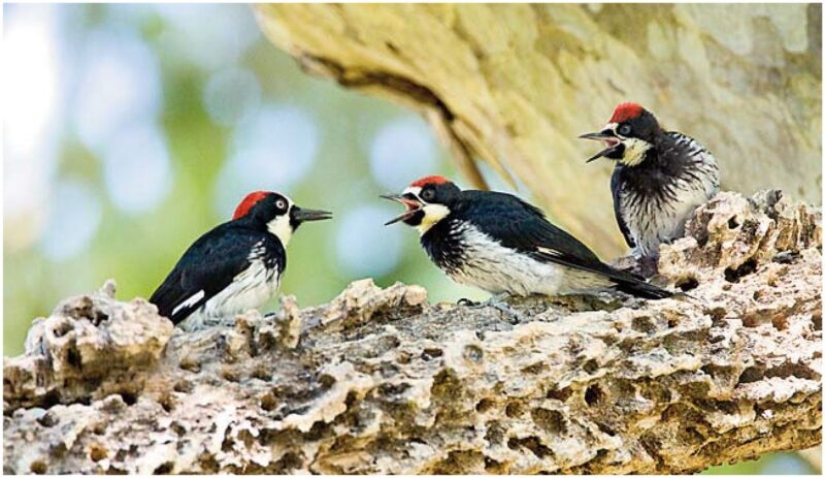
point(521, 226)
point(617, 209)
point(209, 266)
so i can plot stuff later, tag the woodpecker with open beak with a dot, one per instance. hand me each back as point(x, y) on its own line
point(236, 266)
point(659, 179)
point(499, 243)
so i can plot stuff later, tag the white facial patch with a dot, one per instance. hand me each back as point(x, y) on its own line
point(432, 212)
point(281, 227)
point(634, 151)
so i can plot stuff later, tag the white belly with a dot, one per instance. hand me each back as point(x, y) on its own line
point(490, 266)
point(652, 223)
point(250, 290)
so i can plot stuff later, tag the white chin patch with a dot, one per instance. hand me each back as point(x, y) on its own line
point(634, 151)
point(281, 227)
point(432, 214)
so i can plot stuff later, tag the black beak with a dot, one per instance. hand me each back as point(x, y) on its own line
point(301, 215)
point(412, 203)
point(608, 136)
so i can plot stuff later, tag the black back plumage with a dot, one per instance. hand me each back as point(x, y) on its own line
point(521, 226)
point(212, 262)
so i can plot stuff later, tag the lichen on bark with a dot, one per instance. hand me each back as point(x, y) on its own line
point(381, 381)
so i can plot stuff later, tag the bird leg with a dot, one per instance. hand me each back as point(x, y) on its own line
point(498, 301)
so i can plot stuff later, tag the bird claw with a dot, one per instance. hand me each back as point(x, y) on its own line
point(498, 302)
point(467, 302)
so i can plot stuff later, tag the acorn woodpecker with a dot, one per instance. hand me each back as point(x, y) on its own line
point(236, 266)
point(659, 179)
point(499, 243)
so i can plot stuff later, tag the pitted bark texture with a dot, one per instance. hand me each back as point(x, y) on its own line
point(380, 381)
point(515, 85)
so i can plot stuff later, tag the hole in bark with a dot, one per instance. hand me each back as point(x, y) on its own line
point(73, 357)
point(551, 421)
point(290, 461)
point(48, 420)
point(473, 353)
point(593, 395)
point(97, 453)
point(514, 409)
point(779, 322)
point(535, 369)
point(531, 443)
point(560, 395)
point(230, 375)
point(183, 387)
point(591, 366)
point(62, 329)
point(164, 469)
point(129, 398)
point(261, 373)
point(429, 354)
point(167, 402)
point(789, 369)
point(269, 402)
point(733, 275)
point(606, 429)
point(643, 324)
point(687, 284)
point(38, 467)
point(495, 433)
point(733, 223)
point(484, 405)
point(492, 466)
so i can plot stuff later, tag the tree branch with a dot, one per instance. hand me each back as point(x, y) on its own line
point(515, 85)
point(379, 381)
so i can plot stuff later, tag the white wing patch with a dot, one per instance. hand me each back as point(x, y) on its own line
point(550, 252)
point(191, 301)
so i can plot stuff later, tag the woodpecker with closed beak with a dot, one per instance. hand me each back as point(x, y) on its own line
point(236, 266)
point(502, 244)
point(659, 179)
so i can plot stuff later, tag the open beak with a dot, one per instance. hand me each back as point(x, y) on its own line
point(608, 137)
point(301, 215)
point(412, 203)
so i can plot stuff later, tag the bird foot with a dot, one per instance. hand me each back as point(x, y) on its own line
point(498, 302)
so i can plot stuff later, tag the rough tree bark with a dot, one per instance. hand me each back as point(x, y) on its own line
point(380, 381)
point(514, 85)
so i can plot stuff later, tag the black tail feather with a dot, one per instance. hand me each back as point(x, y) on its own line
point(640, 288)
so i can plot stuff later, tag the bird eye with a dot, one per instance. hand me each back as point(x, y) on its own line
point(428, 195)
point(625, 129)
point(281, 204)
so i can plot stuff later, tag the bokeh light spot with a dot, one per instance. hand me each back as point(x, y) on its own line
point(136, 169)
point(272, 151)
point(119, 86)
point(231, 95)
point(402, 151)
point(74, 217)
point(365, 247)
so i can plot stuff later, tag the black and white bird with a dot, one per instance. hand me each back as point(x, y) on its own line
point(501, 244)
point(659, 179)
point(235, 267)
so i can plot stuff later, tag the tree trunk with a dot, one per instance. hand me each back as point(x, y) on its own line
point(515, 85)
point(380, 381)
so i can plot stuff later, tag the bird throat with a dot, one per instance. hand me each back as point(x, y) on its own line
point(433, 213)
point(634, 151)
point(281, 228)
